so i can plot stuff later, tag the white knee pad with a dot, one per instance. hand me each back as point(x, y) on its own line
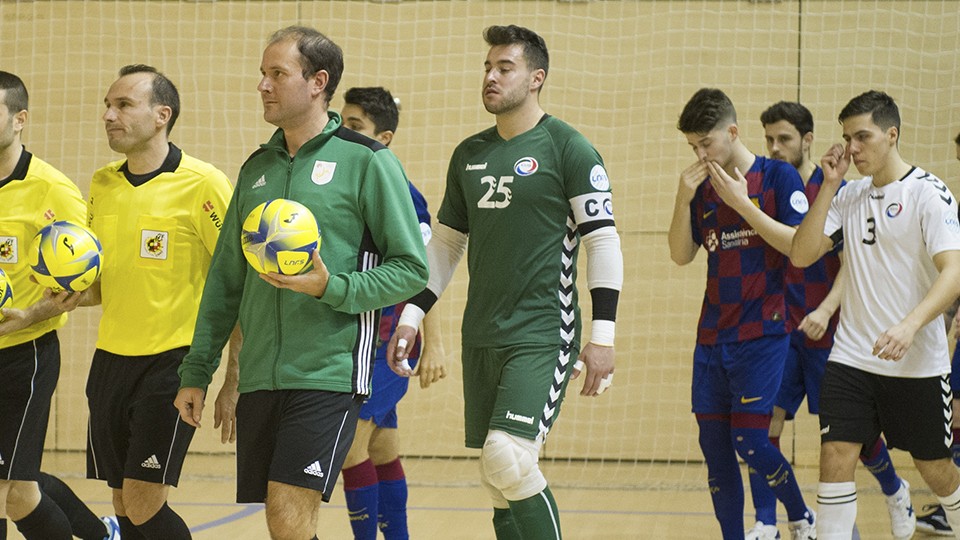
point(499, 501)
point(510, 464)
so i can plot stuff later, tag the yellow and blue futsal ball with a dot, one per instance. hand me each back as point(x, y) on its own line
point(65, 256)
point(6, 291)
point(280, 236)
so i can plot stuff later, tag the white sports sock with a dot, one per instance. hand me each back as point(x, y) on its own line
point(836, 510)
point(951, 507)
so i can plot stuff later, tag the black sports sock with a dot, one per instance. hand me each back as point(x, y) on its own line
point(164, 525)
point(3, 529)
point(128, 531)
point(46, 522)
point(84, 523)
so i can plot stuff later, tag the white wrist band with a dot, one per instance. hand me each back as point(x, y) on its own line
point(411, 316)
point(602, 332)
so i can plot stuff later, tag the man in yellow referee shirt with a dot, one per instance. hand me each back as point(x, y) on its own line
point(157, 213)
point(34, 194)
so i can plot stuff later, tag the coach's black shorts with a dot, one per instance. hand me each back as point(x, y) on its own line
point(28, 377)
point(296, 437)
point(913, 414)
point(134, 430)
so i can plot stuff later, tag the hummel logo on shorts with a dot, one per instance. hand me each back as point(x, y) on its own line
point(314, 469)
point(151, 463)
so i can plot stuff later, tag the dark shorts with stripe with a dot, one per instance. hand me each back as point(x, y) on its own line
point(517, 389)
point(295, 437)
point(913, 414)
point(135, 431)
point(29, 373)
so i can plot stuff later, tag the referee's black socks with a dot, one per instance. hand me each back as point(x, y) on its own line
point(164, 525)
point(46, 522)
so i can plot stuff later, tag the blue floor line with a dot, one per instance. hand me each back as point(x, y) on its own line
point(247, 510)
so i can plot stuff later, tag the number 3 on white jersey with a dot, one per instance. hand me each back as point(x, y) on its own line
point(499, 189)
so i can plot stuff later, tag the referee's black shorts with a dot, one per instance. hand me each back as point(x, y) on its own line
point(28, 377)
point(134, 429)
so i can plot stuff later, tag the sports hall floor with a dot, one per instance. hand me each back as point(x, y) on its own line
point(441, 508)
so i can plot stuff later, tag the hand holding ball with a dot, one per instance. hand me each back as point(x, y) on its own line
point(280, 236)
point(65, 256)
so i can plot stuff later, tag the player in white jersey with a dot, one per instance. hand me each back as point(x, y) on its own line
point(887, 372)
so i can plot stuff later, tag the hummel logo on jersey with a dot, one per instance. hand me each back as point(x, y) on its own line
point(259, 183)
point(477, 167)
point(520, 418)
point(151, 463)
point(314, 469)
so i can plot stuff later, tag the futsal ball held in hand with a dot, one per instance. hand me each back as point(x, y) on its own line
point(65, 256)
point(280, 236)
point(6, 291)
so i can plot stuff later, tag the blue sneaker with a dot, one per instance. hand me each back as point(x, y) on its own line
point(113, 528)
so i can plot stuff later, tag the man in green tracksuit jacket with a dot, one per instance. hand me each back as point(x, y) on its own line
point(309, 339)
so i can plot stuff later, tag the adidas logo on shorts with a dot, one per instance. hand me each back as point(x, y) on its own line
point(151, 463)
point(314, 469)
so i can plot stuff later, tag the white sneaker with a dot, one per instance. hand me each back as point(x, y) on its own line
point(903, 520)
point(762, 531)
point(113, 528)
point(804, 529)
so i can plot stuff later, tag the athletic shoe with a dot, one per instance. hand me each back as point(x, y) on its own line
point(113, 528)
point(762, 531)
point(804, 529)
point(903, 521)
point(934, 521)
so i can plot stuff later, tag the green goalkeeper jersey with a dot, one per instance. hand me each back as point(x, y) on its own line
point(524, 203)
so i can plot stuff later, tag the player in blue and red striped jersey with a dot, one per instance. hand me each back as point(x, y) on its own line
point(374, 483)
point(813, 296)
point(743, 210)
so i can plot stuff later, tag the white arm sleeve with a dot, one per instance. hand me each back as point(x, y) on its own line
point(604, 259)
point(444, 252)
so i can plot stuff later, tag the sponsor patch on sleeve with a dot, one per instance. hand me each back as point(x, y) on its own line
point(599, 179)
point(798, 200)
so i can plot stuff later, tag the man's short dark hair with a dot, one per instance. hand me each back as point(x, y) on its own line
point(163, 92)
point(377, 103)
point(15, 98)
point(707, 109)
point(534, 48)
point(883, 110)
point(796, 114)
point(317, 53)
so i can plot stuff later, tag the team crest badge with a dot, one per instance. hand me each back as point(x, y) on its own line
point(712, 241)
point(525, 166)
point(154, 244)
point(323, 172)
point(8, 249)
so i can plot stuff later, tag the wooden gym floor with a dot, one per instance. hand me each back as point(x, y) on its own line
point(660, 508)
